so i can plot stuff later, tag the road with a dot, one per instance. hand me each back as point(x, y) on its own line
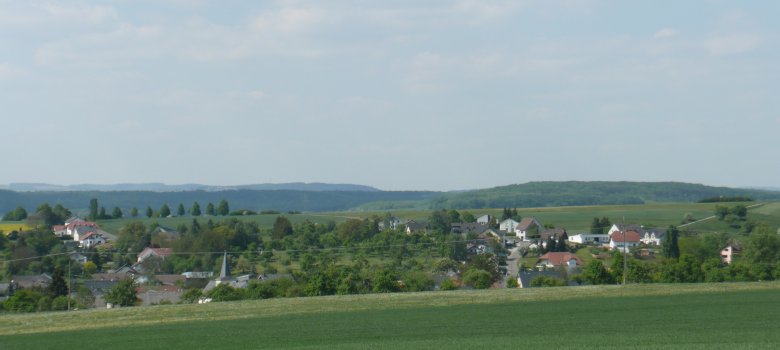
point(511, 262)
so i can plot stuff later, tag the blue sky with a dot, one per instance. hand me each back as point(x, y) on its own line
point(436, 95)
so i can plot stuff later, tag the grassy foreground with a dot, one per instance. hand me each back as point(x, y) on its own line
point(701, 316)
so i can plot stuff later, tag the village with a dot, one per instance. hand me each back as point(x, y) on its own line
point(528, 252)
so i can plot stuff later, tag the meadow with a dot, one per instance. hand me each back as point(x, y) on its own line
point(689, 316)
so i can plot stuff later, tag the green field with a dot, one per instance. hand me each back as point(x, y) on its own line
point(698, 316)
point(574, 219)
point(578, 219)
point(264, 220)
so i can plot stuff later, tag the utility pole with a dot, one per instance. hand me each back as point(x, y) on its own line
point(69, 282)
point(625, 248)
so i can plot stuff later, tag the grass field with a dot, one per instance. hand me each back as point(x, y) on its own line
point(692, 316)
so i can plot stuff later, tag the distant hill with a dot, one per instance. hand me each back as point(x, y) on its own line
point(160, 187)
point(282, 200)
point(324, 197)
point(575, 193)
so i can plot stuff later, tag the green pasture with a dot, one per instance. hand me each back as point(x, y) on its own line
point(682, 316)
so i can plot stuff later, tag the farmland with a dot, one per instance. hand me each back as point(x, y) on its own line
point(7, 227)
point(574, 219)
point(702, 316)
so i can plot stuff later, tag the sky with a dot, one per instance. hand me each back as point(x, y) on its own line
point(400, 95)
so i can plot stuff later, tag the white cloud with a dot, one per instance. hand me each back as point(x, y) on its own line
point(256, 94)
point(665, 33)
point(124, 43)
point(732, 44)
point(7, 71)
point(93, 14)
point(487, 9)
point(291, 20)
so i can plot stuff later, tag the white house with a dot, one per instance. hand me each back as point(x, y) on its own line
point(589, 238)
point(652, 236)
point(80, 232)
point(508, 225)
point(558, 259)
point(75, 227)
point(91, 239)
point(485, 219)
point(148, 252)
point(624, 240)
point(646, 235)
point(527, 227)
point(728, 253)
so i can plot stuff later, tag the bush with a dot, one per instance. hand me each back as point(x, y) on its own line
point(479, 279)
point(545, 281)
point(418, 281)
point(448, 284)
point(224, 292)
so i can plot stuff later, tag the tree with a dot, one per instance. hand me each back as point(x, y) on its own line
point(561, 243)
point(165, 211)
point(282, 228)
point(740, 211)
point(123, 293)
point(223, 209)
point(721, 211)
point(384, 281)
point(595, 273)
point(468, 217)
point(195, 210)
point(149, 212)
point(210, 209)
point(17, 214)
point(58, 285)
point(595, 227)
point(479, 279)
point(117, 213)
point(93, 209)
point(180, 210)
point(671, 243)
point(102, 213)
point(134, 212)
point(605, 224)
point(46, 213)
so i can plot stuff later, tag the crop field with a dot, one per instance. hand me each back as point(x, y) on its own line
point(7, 227)
point(682, 316)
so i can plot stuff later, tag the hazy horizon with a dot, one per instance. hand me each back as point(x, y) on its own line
point(402, 95)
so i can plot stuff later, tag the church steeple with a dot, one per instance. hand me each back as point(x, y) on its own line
point(224, 274)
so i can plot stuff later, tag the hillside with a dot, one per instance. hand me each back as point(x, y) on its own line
point(648, 316)
point(160, 187)
point(576, 193)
